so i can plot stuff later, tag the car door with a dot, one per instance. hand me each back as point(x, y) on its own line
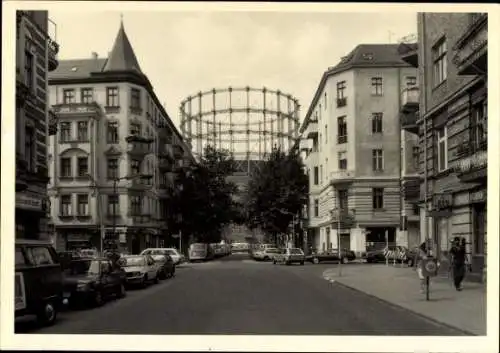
point(151, 267)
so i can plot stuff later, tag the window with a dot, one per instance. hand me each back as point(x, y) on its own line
point(112, 169)
point(342, 130)
point(135, 98)
point(83, 131)
point(377, 88)
point(83, 204)
point(68, 96)
point(326, 134)
point(378, 160)
point(341, 90)
point(316, 208)
point(377, 123)
point(378, 198)
point(321, 174)
point(439, 62)
point(411, 81)
point(112, 98)
point(343, 199)
point(343, 160)
point(83, 166)
point(66, 167)
point(135, 129)
point(113, 204)
point(66, 205)
point(112, 132)
point(29, 148)
point(135, 167)
point(29, 69)
point(41, 256)
point(135, 205)
point(325, 100)
point(87, 95)
point(479, 125)
point(316, 176)
point(416, 157)
point(65, 131)
point(442, 143)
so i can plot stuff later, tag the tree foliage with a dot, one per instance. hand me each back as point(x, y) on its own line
point(277, 191)
point(204, 197)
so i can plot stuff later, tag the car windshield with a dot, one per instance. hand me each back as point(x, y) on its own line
point(295, 251)
point(133, 261)
point(84, 267)
point(159, 258)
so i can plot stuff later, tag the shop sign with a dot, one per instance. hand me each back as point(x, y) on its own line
point(26, 202)
point(123, 238)
point(478, 196)
point(77, 237)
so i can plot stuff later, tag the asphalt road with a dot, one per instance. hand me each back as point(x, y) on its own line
point(236, 295)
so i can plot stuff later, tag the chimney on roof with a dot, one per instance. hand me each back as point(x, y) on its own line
point(94, 55)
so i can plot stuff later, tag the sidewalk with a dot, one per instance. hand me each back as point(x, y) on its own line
point(465, 310)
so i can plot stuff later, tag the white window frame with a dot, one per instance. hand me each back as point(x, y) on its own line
point(375, 117)
point(66, 208)
point(316, 208)
point(442, 140)
point(85, 205)
point(379, 160)
point(340, 155)
point(376, 86)
point(439, 62)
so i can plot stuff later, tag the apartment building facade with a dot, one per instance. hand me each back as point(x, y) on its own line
point(115, 154)
point(451, 57)
point(36, 55)
point(353, 151)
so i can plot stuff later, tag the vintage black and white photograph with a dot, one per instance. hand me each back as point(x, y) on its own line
point(249, 171)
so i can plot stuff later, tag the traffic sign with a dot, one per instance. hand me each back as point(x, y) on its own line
point(430, 267)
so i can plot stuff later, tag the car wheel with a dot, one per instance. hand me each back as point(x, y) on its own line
point(274, 262)
point(302, 263)
point(98, 298)
point(288, 263)
point(121, 291)
point(266, 258)
point(315, 260)
point(345, 260)
point(48, 314)
point(157, 278)
point(144, 282)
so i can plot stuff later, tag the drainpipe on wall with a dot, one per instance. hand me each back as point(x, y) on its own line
point(401, 150)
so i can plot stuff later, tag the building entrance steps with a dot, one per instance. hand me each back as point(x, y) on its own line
point(400, 286)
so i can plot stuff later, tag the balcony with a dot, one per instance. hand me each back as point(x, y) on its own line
point(471, 49)
point(165, 134)
point(341, 176)
point(312, 129)
point(341, 102)
point(408, 121)
point(305, 144)
point(76, 110)
point(410, 99)
point(166, 151)
point(441, 204)
point(408, 50)
point(52, 123)
point(410, 187)
point(346, 217)
point(144, 182)
point(21, 168)
point(473, 167)
point(53, 49)
point(138, 146)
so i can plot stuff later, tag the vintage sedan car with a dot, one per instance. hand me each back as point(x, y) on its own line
point(92, 281)
point(140, 269)
point(38, 281)
point(332, 256)
point(399, 254)
point(266, 254)
point(166, 266)
point(176, 256)
point(289, 256)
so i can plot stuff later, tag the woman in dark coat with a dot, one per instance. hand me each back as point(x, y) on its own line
point(458, 262)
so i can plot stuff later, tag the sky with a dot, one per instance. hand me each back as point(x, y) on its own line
point(185, 52)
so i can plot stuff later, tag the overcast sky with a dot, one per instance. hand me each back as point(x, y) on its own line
point(185, 52)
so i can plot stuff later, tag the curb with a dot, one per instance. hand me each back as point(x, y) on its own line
point(465, 332)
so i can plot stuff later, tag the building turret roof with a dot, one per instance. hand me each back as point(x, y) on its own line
point(122, 56)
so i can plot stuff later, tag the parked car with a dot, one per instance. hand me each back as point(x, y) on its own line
point(166, 266)
point(289, 256)
point(89, 253)
point(332, 256)
point(140, 269)
point(92, 281)
point(38, 281)
point(200, 252)
point(65, 257)
point(177, 257)
point(266, 254)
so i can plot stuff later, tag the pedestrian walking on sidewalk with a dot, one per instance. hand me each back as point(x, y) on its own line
point(419, 263)
point(458, 262)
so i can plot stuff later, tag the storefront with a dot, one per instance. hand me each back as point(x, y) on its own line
point(30, 216)
point(479, 231)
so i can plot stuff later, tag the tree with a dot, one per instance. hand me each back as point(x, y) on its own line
point(276, 193)
point(204, 199)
